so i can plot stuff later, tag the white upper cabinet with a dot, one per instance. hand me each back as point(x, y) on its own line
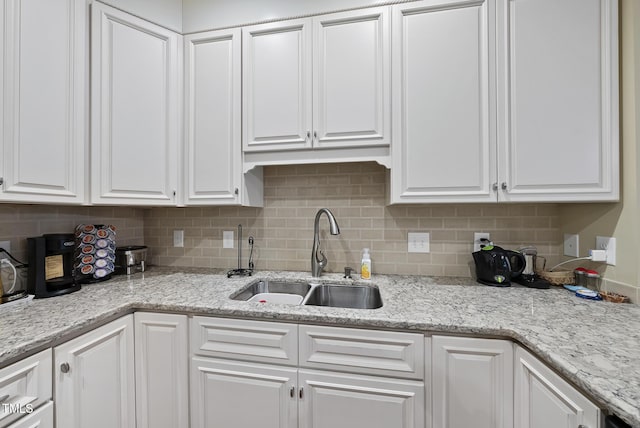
point(505, 100)
point(558, 100)
point(443, 143)
point(351, 79)
point(277, 86)
point(213, 141)
point(136, 110)
point(317, 83)
point(43, 112)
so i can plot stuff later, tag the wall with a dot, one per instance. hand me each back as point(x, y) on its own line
point(356, 195)
point(619, 220)
point(18, 222)
point(201, 15)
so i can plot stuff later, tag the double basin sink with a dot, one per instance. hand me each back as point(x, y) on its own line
point(311, 294)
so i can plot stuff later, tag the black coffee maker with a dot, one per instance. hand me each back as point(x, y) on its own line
point(51, 265)
point(496, 266)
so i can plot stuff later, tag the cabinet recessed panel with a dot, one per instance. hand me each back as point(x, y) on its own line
point(351, 79)
point(277, 86)
point(137, 107)
point(43, 108)
point(441, 98)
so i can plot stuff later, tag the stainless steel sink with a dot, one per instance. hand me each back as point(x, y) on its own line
point(264, 286)
point(333, 295)
point(345, 296)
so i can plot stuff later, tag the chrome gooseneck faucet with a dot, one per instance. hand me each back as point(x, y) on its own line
point(318, 259)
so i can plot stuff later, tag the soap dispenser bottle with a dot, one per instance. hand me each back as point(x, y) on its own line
point(365, 265)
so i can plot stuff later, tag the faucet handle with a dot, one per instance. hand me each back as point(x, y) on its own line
point(321, 258)
point(347, 272)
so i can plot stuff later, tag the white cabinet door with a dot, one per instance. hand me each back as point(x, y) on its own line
point(443, 101)
point(277, 86)
point(213, 96)
point(242, 395)
point(162, 370)
point(352, 79)
point(543, 399)
point(558, 100)
point(332, 400)
point(136, 110)
point(321, 83)
point(94, 379)
point(43, 112)
point(472, 383)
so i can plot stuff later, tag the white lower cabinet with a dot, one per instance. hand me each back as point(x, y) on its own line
point(162, 370)
point(42, 417)
point(25, 387)
point(94, 380)
point(344, 400)
point(472, 382)
point(256, 392)
point(543, 399)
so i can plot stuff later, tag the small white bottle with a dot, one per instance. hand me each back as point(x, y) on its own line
point(365, 265)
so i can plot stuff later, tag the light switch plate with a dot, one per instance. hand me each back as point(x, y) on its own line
point(7, 246)
point(609, 245)
point(571, 245)
point(178, 238)
point(418, 242)
point(227, 239)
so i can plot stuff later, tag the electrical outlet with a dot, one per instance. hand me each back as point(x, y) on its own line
point(477, 237)
point(418, 242)
point(7, 246)
point(178, 238)
point(227, 239)
point(609, 245)
point(571, 245)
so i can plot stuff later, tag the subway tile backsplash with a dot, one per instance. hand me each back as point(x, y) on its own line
point(19, 222)
point(283, 229)
point(356, 194)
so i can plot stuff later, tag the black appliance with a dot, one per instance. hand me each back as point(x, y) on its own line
point(51, 265)
point(497, 266)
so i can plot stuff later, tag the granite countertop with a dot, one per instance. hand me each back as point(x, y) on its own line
point(595, 345)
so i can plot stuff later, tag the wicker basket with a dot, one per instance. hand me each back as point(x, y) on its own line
point(560, 277)
point(614, 297)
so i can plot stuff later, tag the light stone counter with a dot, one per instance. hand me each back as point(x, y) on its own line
point(596, 345)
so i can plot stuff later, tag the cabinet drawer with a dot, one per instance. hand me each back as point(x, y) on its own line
point(362, 351)
point(25, 383)
point(40, 418)
point(245, 340)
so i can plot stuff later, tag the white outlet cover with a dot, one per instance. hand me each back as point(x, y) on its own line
point(227, 239)
point(418, 242)
point(178, 238)
point(609, 245)
point(571, 245)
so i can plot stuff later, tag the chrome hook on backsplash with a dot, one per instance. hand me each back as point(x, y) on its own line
point(240, 270)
